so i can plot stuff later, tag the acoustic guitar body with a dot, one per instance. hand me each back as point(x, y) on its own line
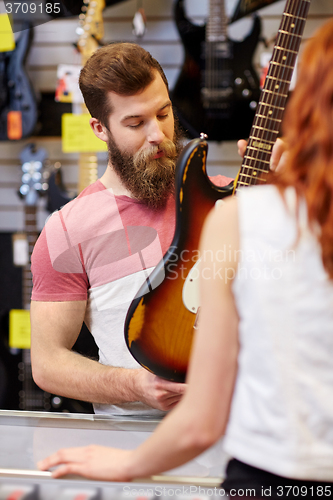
point(233, 79)
point(159, 327)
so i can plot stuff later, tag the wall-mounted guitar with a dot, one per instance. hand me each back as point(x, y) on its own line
point(31, 397)
point(218, 89)
point(28, 395)
point(18, 107)
point(90, 33)
point(160, 321)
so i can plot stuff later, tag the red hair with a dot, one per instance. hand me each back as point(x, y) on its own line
point(308, 131)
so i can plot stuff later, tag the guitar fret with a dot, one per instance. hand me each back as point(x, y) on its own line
point(272, 106)
point(275, 93)
point(286, 50)
point(269, 77)
point(266, 118)
point(281, 64)
point(247, 157)
point(290, 34)
point(293, 16)
point(270, 131)
point(255, 170)
point(255, 138)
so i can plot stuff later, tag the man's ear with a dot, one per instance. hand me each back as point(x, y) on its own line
point(99, 130)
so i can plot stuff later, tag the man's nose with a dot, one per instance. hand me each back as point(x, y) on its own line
point(155, 133)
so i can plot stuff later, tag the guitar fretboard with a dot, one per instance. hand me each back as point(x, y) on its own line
point(216, 29)
point(30, 215)
point(268, 118)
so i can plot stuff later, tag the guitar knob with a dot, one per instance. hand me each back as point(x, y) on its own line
point(246, 93)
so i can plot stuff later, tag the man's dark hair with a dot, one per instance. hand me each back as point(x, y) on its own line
point(123, 68)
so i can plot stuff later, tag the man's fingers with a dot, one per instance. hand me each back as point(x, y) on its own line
point(241, 146)
point(172, 387)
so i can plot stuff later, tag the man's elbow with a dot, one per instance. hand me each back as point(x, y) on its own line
point(39, 374)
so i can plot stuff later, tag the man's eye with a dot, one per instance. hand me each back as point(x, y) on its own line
point(137, 125)
point(163, 117)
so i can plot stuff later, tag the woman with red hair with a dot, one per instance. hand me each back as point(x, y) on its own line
point(261, 370)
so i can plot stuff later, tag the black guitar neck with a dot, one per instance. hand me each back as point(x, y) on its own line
point(218, 89)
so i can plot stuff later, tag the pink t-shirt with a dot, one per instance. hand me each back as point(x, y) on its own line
point(101, 248)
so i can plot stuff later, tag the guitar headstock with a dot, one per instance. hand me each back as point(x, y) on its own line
point(90, 29)
point(34, 179)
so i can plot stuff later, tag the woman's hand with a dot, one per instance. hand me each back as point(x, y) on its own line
point(94, 462)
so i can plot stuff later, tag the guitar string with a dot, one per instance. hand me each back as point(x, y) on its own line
point(291, 44)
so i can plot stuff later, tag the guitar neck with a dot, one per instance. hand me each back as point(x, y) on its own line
point(91, 32)
point(87, 170)
point(30, 216)
point(267, 122)
point(216, 29)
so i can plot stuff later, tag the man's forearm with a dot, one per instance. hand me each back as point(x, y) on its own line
point(71, 375)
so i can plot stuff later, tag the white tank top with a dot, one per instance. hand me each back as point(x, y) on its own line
point(282, 411)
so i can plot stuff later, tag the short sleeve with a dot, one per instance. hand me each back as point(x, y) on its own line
point(50, 284)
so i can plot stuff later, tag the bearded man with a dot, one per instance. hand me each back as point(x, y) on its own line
point(95, 253)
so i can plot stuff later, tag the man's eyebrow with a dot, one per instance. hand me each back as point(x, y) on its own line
point(127, 117)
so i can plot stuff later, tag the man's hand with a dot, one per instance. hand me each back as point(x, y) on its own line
point(278, 157)
point(157, 392)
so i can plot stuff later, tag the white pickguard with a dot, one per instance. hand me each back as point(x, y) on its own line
point(191, 286)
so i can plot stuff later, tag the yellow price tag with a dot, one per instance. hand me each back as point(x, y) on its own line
point(19, 329)
point(77, 136)
point(7, 40)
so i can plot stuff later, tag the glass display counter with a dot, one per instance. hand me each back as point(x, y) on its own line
point(27, 437)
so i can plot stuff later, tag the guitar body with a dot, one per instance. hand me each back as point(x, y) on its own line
point(19, 96)
point(234, 77)
point(159, 328)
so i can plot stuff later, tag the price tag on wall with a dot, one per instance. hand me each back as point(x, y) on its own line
point(7, 41)
point(19, 329)
point(77, 136)
point(20, 249)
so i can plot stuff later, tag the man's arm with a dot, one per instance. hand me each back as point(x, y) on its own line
point(57, 369)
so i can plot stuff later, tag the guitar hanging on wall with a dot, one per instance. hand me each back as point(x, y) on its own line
point(18, 390)
point(30, 396)
point(160, 321)
point(218, 89)
point(90, 32)
point(18, 107)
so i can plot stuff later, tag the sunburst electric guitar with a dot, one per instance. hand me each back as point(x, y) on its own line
point(161, 319)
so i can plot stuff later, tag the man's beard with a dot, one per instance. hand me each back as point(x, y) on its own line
point(147, 179)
